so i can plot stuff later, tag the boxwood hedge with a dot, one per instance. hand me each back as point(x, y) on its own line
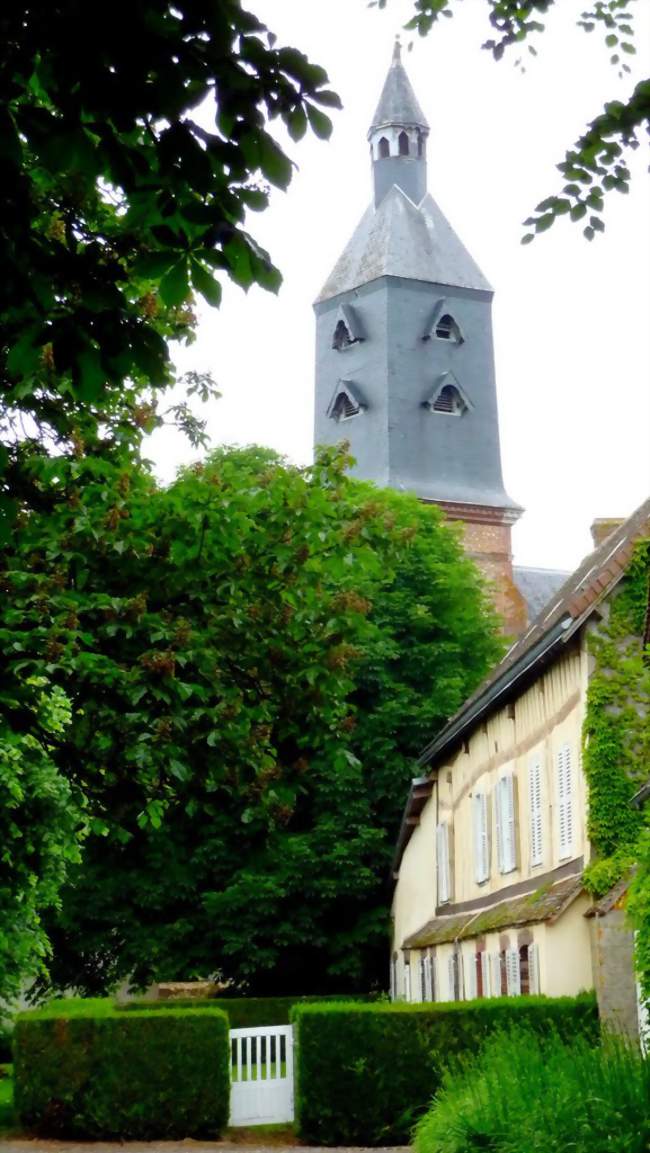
point(366, 1073)
point(243, 1012)
point(85, 1070)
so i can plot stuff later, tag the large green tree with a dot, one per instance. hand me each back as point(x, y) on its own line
point(255, 655)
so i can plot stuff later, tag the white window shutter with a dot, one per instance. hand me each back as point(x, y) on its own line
point(451, 976)
point(481, 846)
point(485, 973)
point(508, 823)
point(393, 979)
point(442, 842)
point(565, 802)
point(407, 981)
point(496, 974)
point(535, 811)
point(427, 991)
point(470, 977)
point(513, 977)
point(533, 968)
point(497, 805)
point(435, 987)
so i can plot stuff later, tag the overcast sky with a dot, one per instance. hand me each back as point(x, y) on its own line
point(572, 319)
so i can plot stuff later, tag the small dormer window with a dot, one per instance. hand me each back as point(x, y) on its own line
point(384, 148)
point(450, 401)
point(403, 144)
point(341, 338)
point(447, 329)
point(344, 408)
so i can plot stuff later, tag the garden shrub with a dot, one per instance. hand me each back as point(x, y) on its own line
point(6, 1031)
point(245, 1012)
point(366, 1073)
point(542, 1095)
point(85, 1070)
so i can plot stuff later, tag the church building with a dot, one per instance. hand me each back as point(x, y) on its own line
point(405, 359)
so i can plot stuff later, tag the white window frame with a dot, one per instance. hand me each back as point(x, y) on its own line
point(481, 838)
point(564, 775)
point(442, 857)
point(535, 811)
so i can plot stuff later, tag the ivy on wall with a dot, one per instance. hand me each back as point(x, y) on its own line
point(616, 748)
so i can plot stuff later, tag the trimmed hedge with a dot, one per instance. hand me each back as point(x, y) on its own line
point(85, 1070)
point(245, 1012)
point(365, 1074)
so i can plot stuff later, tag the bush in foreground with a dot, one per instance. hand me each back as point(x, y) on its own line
point(85, 1070)
point(365, 1073)
point(542, 1095)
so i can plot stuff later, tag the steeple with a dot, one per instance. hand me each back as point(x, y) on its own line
point(404, 349)
point(398, 136)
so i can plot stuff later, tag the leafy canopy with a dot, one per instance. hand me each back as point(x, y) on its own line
point(255, 655)
point(596, 164)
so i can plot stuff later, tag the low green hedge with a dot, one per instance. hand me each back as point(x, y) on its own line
point(244, 1012)
point(85, 1070)
point(366, 1073)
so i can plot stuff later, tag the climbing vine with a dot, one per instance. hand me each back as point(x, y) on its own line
point(616, 747)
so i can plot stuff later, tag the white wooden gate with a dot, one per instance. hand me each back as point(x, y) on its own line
point(262, 1075)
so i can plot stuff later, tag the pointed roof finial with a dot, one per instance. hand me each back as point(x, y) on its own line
point(398, 103)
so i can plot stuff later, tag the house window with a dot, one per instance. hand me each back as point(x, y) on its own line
point(450, 401)
point(513, 972)
point(535, 811)
point(442, 857)
point(384, 148)
point(403, 144)
point(447, 329)
point(341, 338)
point(565, 802)
point(504, 816)
point(481, 838)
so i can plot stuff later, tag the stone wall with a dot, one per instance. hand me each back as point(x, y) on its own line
point(612, 946)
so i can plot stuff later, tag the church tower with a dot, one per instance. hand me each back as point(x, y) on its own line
point(404, 350)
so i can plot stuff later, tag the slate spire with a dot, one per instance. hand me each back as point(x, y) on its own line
point(398, 104)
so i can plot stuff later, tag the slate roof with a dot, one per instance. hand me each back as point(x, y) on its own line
point(398, 103)
point(537, 586)
point(545, 904)
point(400, 238)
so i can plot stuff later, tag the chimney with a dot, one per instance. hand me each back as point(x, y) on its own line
point(603, 527)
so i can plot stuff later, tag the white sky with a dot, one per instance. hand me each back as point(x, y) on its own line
point(572, 319)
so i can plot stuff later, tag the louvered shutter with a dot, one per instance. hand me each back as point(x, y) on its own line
point(393, 979)
point(470, 977)
point(496, 974)
point(565, 802)
point(513, 978)
point(451, 976)
point(481, 846)
point(498, 825)
point(407, 982)
point(535, 811)
point(508, 823)
point(427, 990)
point(485, 973)
point(533, 968)
point(435, 987)
point(442, 839)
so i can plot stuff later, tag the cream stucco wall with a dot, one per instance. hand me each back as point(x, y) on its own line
point(415, 894)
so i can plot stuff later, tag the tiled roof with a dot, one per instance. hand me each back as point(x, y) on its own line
point(537, 586)
point(545, 904)
point(575, 600)
point(398, 103)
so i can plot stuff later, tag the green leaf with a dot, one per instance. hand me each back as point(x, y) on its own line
point(205, 283)
point(153, 265)
point(297, 122)
point(544, 222)
point(90, 377)
point(274, 164)
point(320, 124)
point(174, 287)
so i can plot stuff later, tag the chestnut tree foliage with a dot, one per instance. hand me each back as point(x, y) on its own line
point(254, 656)
point(596, 164)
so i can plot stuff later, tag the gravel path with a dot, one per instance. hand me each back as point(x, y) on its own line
point(36, 1146)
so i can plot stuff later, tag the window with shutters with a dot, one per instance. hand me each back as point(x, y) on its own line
point(533, 968)
point(407, 981)
point(524, 974)
point(497, 970)
point(442, 854)
point(565, 802)
point(471, 984)
point(481, 838)
point(450, 401)
point(513, 974)
point(435, 982)
point(505, 821)
point(454, 975)
point(484, 964)
point(535, 811)
point(426, 976)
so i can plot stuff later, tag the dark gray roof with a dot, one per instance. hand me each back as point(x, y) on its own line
point(398, 103)
point(537, 586)
point(400, 238)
